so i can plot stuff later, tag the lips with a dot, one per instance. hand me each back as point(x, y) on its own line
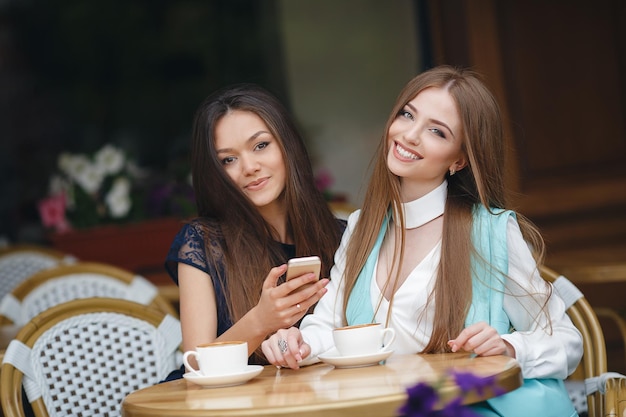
point(405, 153)
point(257, 184)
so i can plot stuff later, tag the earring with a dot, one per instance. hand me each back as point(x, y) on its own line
point(452, 171)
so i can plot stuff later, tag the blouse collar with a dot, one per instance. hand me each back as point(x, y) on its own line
point(426, 208)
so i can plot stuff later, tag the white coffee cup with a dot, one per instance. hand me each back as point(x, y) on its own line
point(363, 339)
point(218, 358)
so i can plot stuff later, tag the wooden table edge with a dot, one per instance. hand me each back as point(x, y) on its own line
point(508, 380)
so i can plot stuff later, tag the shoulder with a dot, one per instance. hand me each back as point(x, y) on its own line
point(497, 224)
point(196, 234)
point(199, 243)
point(492, 224)
point(205, 225)
point(492, 215)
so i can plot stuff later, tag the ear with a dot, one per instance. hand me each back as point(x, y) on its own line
point(458, 165)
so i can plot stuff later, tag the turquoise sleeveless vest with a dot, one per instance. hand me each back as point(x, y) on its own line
point(544, 397)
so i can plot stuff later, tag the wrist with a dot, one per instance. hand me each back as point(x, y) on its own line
point(256, 323)
point(509, 349)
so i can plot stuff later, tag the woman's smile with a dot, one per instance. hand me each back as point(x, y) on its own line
point(404, 153)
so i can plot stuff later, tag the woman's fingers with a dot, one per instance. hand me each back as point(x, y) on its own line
point(479, 338)
point(272, 278)
point(282, 306)
point(285, 348)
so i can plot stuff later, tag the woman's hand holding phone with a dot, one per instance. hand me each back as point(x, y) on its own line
point(297, 267)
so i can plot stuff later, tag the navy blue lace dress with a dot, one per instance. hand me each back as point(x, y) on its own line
point(188, 247)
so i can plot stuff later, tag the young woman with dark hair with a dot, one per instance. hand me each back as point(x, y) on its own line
point(257, 207)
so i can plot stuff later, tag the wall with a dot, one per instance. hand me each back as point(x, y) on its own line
point(558, 73)
point(345, 63)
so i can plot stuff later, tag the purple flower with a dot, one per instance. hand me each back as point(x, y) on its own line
point(422, 399)
point(468, 382)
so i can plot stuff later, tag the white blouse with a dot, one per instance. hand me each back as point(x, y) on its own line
point(541, 353)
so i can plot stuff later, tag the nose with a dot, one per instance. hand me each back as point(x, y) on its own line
point(412, 135)
point(249, 165)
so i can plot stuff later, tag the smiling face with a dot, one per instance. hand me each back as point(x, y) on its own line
point(425, 142)
point(252, 158)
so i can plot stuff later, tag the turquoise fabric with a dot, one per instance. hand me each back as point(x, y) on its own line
point(540, 397)
point(359, 309)
point(536, 397)
point(490, 266)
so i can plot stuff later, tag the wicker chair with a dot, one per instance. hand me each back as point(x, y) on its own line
point(18, 262)
point(48, 288)
point(83, 357)
point(605, 274)
point(605, 392)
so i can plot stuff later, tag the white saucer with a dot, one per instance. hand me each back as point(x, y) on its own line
point(333, 357)
point(216, 381)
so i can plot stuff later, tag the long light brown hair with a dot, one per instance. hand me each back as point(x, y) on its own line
point(250, 247)
point(481, 182)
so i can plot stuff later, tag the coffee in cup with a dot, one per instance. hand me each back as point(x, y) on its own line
point(218, 358)
point(363, 339)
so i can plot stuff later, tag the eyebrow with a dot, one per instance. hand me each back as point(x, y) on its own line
point(439, 122)
point(250, 139)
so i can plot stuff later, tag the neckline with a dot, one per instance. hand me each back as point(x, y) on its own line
point(426, 208)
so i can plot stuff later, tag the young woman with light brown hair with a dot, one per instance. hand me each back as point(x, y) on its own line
point(435, 254)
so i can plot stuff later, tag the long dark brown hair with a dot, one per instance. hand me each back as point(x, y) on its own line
point(481, 182)
point(250, 247)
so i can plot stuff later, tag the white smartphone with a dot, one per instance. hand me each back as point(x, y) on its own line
point(299, 266)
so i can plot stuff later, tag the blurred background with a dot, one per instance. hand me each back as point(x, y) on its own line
point(78, 74)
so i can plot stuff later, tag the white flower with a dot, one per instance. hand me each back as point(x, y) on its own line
point(65, 163)
point(89, 176)
point(118, 199)
point(73, 165)
point(110, 159)
point(121, 186)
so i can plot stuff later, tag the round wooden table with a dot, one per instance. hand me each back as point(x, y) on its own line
point(322, 390)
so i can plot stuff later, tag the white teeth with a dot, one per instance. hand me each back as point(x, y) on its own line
point(403, 152)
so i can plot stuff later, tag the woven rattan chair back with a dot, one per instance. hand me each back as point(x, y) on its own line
point(54, 286)
point(594, 361)
point(83, 357)
point(18, 262)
